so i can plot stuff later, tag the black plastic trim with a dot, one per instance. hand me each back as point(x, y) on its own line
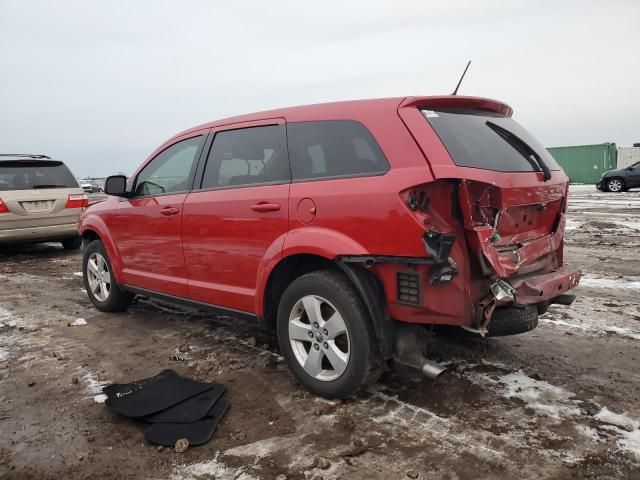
point(372, 294)
point(218, 310)
point(370, 260)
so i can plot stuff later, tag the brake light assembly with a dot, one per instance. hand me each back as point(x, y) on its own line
point(77, 200)
point(3, 207)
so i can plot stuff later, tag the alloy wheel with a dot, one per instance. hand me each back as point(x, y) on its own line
point(319, 338)
point(614, 185)
point(99, 276)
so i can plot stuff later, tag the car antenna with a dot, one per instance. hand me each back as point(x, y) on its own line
point(455, 92)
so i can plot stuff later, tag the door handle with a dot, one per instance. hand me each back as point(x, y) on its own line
point(265, 207)
point(167, 211)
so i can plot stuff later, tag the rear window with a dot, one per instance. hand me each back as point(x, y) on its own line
point(488, 140)
point(333, 148)
point(29, 174)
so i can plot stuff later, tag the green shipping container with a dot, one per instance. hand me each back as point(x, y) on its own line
point(586, 163)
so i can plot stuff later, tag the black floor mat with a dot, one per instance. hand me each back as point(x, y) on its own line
point(197, 432)
point(190, 410)
point(120, 389)
point(152, 395)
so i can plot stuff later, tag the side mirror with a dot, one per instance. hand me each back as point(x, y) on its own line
point(116, 185)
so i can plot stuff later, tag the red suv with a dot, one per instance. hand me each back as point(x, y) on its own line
point(346, 226)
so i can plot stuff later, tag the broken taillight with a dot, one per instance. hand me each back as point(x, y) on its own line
point(77, 201)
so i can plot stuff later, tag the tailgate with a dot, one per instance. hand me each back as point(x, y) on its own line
point(511, 192)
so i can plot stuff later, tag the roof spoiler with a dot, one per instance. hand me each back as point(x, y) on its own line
point(24, 155)
point(451, 101)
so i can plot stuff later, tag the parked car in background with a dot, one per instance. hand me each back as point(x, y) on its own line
point(40, 201)
point(348, 227)
point(620, 180)
point(89, 187)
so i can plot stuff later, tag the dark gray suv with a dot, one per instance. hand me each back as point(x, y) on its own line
point(620, 180)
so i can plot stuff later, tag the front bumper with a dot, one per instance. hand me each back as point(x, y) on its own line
point(39, 234)
point(601, 185)
point(534, 289)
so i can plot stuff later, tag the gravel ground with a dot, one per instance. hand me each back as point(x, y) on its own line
point(558, 402)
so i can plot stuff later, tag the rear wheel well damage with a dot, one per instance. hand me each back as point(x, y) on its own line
point(367, 285)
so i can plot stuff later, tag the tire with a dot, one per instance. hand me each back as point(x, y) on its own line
point(615, 185)
point(72, 243)
point(344, 362)
point(107, 296)
point(513, 320)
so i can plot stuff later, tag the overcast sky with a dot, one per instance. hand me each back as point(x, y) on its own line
point(102, 84)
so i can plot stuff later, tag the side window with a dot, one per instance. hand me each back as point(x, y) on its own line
point(247, 156)
point(333, 148)
point(170, 171)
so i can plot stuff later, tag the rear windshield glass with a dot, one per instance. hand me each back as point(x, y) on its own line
point(482, 139)
point(28, 174)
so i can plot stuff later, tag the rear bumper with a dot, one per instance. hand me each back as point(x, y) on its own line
point(601, 185)
point(534, 289)
point(39, 234)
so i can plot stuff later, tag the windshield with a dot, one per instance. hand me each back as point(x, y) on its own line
point(29, 174)
point(488, 140)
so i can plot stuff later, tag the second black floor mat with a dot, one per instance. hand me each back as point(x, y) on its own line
point(191, 409)
point(197, 432)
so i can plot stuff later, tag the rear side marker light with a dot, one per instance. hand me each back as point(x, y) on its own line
point(77, 201)
point(3, 207)
point(408, 288)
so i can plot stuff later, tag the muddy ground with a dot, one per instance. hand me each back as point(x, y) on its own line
point(559, 402)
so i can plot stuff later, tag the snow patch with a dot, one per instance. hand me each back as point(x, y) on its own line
point(210, 469)
point(259, 449)
point(5, 314)
point(78, 322)
point(626, 428)
point(540, 396)
point(95, 386)
point(612, 329)
point(590, 433)
point(3, 354)
point(593, 281)
point(623, 332)
point(78, 274)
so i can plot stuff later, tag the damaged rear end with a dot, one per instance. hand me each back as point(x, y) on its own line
point(495, 215)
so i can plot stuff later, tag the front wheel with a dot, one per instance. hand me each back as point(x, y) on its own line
point(615, 185)
point(326, 335)
point(102, 289)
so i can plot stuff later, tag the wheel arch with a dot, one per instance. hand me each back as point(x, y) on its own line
point(96, 230)
point(367, 285)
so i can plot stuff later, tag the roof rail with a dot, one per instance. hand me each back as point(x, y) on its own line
point(26, 155)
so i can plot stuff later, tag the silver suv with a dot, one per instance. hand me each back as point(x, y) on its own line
point(40, 201)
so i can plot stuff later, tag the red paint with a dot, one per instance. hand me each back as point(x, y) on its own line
point(220, 246)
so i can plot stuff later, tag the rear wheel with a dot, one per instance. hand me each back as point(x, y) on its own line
point(72, 243)
point(615, 185)
point(102, 289)
point(326, 336)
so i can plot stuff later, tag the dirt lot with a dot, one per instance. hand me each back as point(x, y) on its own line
point(559, 402)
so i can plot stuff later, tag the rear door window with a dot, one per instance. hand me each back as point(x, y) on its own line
point(333, 148)
point(487, 140)
point(30, 174)
point(247, 156)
